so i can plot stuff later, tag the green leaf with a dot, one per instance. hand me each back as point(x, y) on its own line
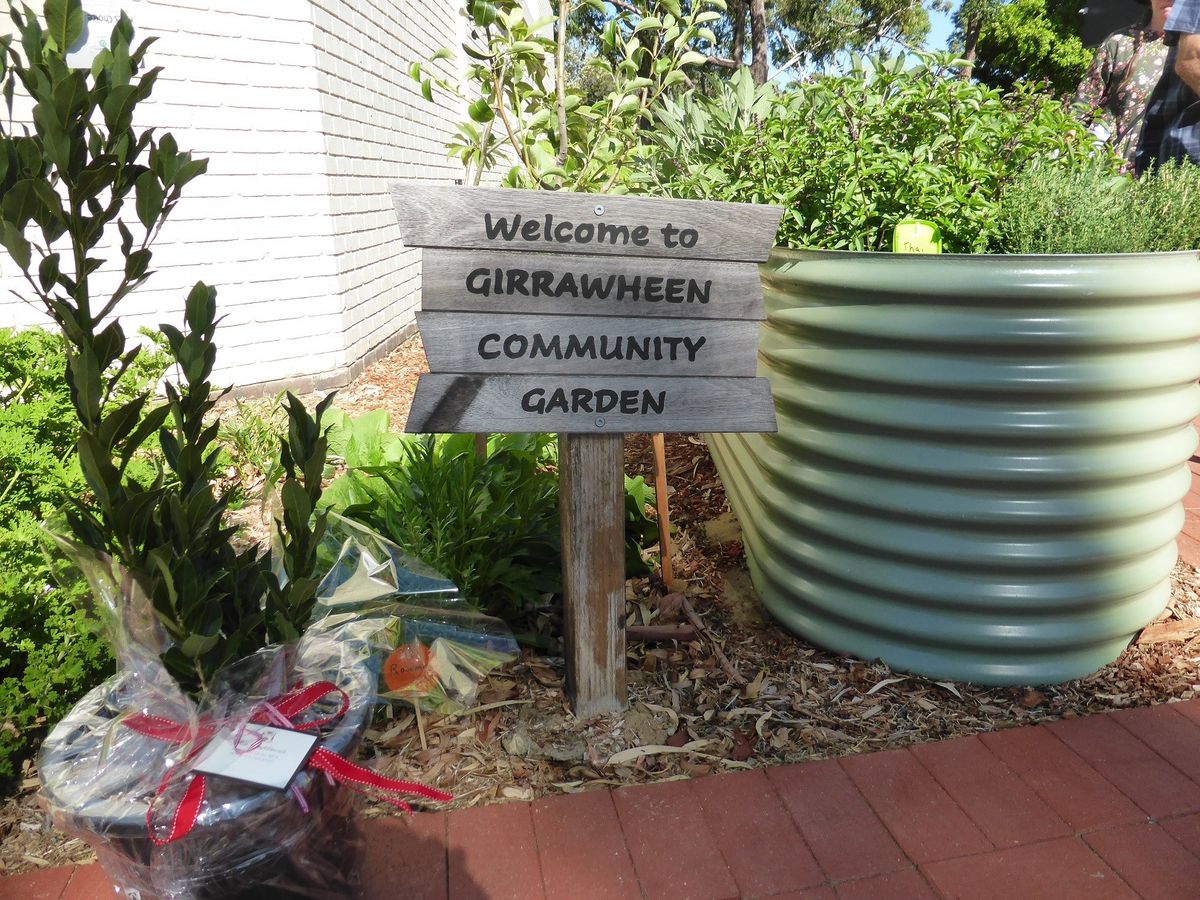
point(47, 271)
point(16, 245)
point(427, 90)
point(29, 199)
point(195, 645)
point(483, 13)
point(481, 111)
point(149, 199)
point(64, 22)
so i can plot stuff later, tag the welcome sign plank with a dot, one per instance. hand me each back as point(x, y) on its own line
point(581, 313)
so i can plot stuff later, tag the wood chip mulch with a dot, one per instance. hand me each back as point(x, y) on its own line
point(687, 716)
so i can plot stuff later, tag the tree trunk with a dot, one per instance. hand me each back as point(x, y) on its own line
point(738, 52)
point(971, 42)
point(758, 42)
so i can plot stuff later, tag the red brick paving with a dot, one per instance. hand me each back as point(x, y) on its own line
point(756, 834)
point(493, 854)
point(839, 825)
point(1006, 809)
point(925, 821)
point(1041, 812)
point(409, 851)
point(906, 884)
point(582, 848)
point(1151, 861)
point(1063, 869)
point(1072, 788)
point(674, 851)
point(1132, 766)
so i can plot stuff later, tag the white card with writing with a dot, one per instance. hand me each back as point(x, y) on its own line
point(258, 754)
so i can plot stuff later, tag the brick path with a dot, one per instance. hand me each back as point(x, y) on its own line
point(1101, 807)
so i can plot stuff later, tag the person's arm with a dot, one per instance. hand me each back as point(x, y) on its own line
point(1187, 61)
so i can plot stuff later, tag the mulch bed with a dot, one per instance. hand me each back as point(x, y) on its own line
point(687, 716)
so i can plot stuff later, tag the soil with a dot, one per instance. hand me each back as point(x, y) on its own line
point(743, 694)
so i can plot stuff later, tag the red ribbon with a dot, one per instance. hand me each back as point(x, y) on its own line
point(290, 705)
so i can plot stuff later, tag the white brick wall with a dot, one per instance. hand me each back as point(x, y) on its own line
point(306, 113)
point(379, 129)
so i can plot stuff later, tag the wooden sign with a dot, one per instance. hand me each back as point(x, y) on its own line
point(587, 404)
point(502, 282)
point(563, 222)
point(529, 344)
point(543, 283)
point(591, 316)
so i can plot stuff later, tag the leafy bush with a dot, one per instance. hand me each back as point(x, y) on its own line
point(48, 655)
point(526, 115)
point(850, 156)
point(250, 435)
point(489, 524)
point(1049, 209)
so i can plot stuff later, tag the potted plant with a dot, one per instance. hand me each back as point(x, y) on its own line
point(215, 641)
point(981, 455)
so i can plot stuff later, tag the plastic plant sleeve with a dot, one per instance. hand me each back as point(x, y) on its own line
point(439, 648)
point(100, 776)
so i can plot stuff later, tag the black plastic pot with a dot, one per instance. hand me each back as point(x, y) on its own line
point(247, 841)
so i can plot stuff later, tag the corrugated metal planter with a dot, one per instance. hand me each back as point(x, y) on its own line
point(980, 461)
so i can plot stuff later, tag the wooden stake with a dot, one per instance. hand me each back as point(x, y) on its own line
point(592, 509)
point(664, 512)
point(481, 445)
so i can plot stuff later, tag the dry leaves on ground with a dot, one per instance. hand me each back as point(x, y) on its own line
point(688, 716)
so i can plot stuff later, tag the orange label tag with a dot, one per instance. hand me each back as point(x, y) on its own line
point(408, 669)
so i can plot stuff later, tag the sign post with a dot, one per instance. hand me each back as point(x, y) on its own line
point(592, 316)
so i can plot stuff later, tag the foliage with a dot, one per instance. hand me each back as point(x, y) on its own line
point(523, 113)
point(490, 524)
point(66, 185)
point(817, 31)
point(1031, 40)
point(251, 434)
point(363, 441)
point(48, 654)
point(850, 156)
point(1049, 209)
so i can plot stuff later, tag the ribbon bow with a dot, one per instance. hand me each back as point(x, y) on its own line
point(284, 710)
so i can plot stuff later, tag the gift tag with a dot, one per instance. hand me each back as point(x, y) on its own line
point(258, 754)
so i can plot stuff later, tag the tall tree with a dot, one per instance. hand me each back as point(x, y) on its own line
point(968, 22)
point(737, 43)
point(1024, 40)
point(759, 48)
point(813, 31)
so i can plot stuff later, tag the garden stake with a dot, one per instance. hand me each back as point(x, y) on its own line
point(664, 513)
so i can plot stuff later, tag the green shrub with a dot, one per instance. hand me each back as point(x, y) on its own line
point(1051, 209)
point(490, 524)
point(850, 156)
point(48, 655)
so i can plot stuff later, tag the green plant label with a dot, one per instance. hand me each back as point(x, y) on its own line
point(916, 236)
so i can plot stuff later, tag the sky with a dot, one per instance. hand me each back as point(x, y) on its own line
point(939, 31)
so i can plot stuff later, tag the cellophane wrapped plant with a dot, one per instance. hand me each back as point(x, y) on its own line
point(210, 634)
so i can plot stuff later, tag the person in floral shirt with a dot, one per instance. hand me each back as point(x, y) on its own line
point(1117, 86)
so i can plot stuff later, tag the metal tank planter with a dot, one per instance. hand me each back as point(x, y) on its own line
point(980, 460)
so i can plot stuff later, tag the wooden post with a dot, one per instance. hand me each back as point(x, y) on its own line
point(593, 564)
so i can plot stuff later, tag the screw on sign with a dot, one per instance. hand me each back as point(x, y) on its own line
point(550, 311)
